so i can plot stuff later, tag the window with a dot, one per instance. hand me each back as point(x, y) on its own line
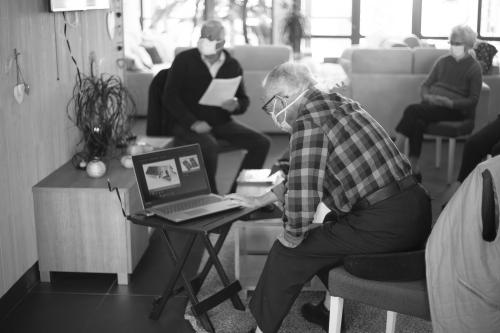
point(440, 16)
point(386, 17)
point(490, 18)
point(329, 18)
point(258, 21)
point(329, 27)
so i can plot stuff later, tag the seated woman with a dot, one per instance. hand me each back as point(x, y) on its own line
point(450, 93)
point(484, 142)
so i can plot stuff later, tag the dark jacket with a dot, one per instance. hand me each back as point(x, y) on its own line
point(187, 81)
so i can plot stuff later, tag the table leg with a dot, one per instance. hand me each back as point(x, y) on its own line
point(160, 302)
point(45, 276)
point(188, 287)
point(122, 278)
point(198, 281)
point(213, 252)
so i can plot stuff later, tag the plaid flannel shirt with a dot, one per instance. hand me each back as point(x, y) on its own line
point(338, 155)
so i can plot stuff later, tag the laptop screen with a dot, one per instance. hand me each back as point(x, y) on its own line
point(170, 174)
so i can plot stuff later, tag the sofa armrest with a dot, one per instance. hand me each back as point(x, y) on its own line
point(482, 108)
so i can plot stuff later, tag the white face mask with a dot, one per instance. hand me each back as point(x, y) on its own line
point(457, 51)
point(207, 47)
point(283, 125)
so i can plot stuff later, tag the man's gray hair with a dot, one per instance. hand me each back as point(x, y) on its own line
point(289, 77)
point(468, 35)
point(214, 26)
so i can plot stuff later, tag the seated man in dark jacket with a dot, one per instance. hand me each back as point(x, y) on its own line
point(189, 77)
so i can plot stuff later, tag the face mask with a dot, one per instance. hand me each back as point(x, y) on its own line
point(207, 47)
point(283, 125)
point(457, 51)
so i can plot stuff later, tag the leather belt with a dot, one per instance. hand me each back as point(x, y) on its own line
point(386, 192)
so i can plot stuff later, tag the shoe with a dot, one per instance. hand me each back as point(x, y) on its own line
point(318, 314)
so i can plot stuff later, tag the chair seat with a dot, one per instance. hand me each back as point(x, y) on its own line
point(451, 129)
point(402, 297)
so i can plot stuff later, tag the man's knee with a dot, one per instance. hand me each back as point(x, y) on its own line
point(263, 142)
point(412, 111)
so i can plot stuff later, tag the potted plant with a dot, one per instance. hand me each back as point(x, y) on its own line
point(101, 107)
point(294, 26)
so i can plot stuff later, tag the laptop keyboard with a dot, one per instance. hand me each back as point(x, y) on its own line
point(188, 204)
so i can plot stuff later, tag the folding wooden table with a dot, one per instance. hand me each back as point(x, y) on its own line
point(202, 227)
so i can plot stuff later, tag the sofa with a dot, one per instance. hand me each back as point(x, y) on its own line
point(385, 81)
point(256, 62)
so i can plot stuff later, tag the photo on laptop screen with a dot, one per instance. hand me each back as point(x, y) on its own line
point(161, 175)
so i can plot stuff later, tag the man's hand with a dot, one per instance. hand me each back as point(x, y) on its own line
point(230, 105)
point(201, 127)
point(247, 201)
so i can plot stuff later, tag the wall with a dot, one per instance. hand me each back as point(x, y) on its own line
point(36, 136)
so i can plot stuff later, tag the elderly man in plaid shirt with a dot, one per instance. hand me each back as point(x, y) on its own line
point(342, 158)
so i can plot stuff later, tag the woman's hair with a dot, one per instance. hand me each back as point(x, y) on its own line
point(468, 35)
point(289, 76)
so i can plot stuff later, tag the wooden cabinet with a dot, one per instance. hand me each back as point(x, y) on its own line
point(80, 226)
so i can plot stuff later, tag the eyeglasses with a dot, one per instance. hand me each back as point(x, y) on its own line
point(275, 98)
point(454, 43)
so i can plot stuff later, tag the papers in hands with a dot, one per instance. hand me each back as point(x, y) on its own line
point(220, 90)
point(260, 176)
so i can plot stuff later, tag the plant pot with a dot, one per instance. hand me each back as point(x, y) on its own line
point(97, 141)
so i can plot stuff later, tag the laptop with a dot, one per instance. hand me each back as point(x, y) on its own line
point(173, 184)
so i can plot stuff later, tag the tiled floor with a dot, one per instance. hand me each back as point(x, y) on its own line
point(95, 303)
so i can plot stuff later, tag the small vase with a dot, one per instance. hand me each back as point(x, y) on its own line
point(96, 168)
point(97, 142)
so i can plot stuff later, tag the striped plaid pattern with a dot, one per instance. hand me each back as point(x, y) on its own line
point(339, 154)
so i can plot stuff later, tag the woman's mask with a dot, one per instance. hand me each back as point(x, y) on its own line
point(457, 51)
point(207, 47)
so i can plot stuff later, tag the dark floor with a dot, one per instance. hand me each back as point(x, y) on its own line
point(95, 303)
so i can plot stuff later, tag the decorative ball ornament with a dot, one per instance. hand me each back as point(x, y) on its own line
point(126, 161)
point(96, 168)
point(135, 149)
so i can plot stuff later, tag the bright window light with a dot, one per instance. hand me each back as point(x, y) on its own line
point(440, 16)
point(391, 18)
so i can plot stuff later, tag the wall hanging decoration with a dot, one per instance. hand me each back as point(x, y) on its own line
point(21, 88)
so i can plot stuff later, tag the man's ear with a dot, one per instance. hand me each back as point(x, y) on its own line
point(221, 44)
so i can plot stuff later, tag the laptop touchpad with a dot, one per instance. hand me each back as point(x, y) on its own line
point(195, 211)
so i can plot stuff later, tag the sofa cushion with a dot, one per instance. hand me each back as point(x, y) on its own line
point(261, 58)
point(451, 129)
point(381, 61)
point(424, 59)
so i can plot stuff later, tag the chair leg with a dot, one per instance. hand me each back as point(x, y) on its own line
point(438, 151)
point(390, 326)
point(336, 306)
point(451, 160)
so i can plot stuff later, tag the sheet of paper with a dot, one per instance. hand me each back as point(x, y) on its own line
point(220, 90)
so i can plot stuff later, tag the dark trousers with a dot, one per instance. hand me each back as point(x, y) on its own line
point(399, 223)
point(417, 117)
point(482, 143)
point(237, 134)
